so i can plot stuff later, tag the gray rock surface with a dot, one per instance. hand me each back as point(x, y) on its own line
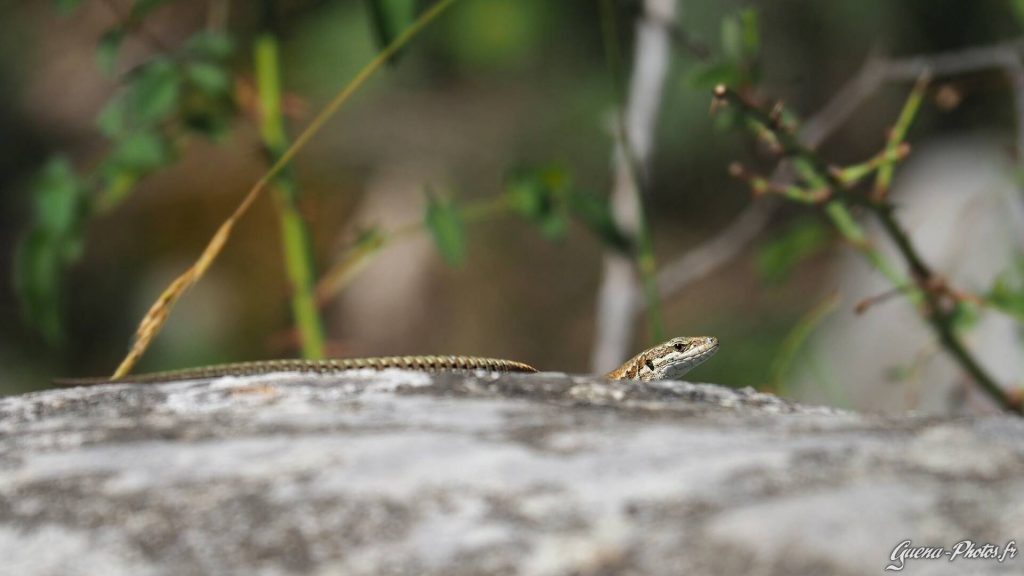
point(405, 473)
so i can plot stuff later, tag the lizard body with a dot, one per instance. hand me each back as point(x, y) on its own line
point(663, 362)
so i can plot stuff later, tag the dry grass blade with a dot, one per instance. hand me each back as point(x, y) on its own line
point(157, 315)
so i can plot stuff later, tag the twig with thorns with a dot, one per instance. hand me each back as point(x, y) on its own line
point(833, 188)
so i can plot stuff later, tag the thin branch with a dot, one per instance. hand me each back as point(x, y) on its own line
point(714, 253)
point(953, 62)
point(817, 128)
point(619, 294)
point(707, 257)
point(938, 298)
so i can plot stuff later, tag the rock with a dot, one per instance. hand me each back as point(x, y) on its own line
point(404, 473)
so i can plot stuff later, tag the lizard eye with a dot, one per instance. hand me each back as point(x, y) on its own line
point(650, 364)
point(679, 346)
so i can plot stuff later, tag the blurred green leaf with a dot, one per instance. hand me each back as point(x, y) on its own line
point(389, 18)
point(53, 242)
point(107, 48)
point(736, 66)
point(193, 91)
point(56, 198)
point(212, 79)
point(192, 88)
point(596, 215)
point(210, 121)
point(67, 6)
point(37, 268)
point(154, 91)
point(491, 36)
point(150, 97)
point(209, 45)
point(153, 95)
point(799, 241)
point(545, 196)
point(541, 196)
point(1018, 10)
point(1007, 292)
point(966, 315)
point(208, 116)
point(445, 225)
point(140, 153)
point(207, 101)
point(111, 120)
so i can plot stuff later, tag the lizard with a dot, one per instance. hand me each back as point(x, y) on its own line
point(666, 361)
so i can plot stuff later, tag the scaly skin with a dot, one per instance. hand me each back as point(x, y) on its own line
point(669, 360)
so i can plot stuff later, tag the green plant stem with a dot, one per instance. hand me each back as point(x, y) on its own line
point(298, 250)
point(883, 178)
point(646, 264)
point(940, 316)
point(796, 339)
point(157, 315)
point(844, 222)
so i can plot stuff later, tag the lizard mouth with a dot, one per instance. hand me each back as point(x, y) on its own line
point(704, 351)
point(710, 345)
point(694, 357)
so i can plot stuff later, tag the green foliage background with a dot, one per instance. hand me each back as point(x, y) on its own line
point(105, 200)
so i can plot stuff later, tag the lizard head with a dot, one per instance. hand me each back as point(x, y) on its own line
point(669, 360)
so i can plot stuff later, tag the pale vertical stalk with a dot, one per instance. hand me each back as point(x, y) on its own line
point(620, 293)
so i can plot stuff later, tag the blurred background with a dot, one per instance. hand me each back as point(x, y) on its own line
point(130, 130)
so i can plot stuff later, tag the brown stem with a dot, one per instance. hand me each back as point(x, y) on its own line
point(939, 316)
